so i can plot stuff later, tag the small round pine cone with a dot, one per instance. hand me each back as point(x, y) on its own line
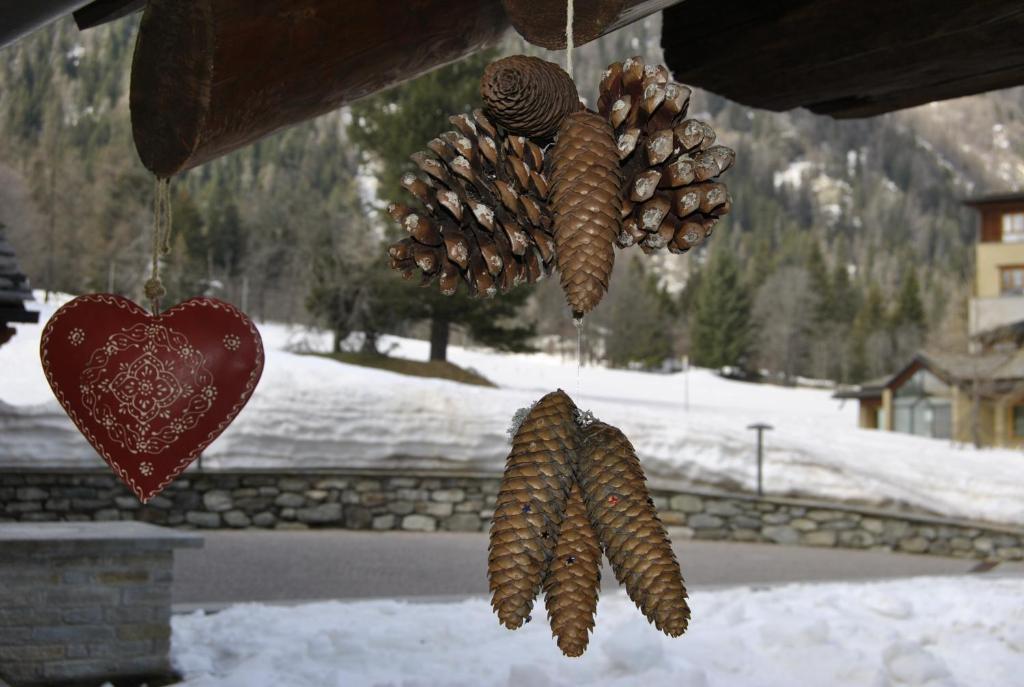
point(528, 96)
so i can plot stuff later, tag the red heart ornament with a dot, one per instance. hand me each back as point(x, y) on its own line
point(150, 392)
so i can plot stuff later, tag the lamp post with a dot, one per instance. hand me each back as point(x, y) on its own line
point(760, 428)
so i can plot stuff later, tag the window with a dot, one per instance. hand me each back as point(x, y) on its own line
point(1013, 227)
point(1011, 280)
point(1018, 421)
point(922, 406)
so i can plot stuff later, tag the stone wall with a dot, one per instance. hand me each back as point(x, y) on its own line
point(85, 603)
point(429, 501)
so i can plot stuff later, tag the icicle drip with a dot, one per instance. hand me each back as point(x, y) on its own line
point(578, 323)
point(569, 11)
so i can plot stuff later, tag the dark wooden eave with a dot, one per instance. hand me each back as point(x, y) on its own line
point(845, 58)
point(21, 17)
point(995, 199)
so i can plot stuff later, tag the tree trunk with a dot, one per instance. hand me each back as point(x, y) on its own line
point(439, 331)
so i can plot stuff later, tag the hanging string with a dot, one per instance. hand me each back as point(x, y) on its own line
point(154, 288)
point(569, 10)
point(578, 322)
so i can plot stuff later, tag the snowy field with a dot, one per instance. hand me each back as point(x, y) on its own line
point(924, 632)
point(313, 412)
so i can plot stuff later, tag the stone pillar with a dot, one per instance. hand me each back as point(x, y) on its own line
point(86, 602)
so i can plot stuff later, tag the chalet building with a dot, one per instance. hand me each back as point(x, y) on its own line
point(975, 397)
point(998, 294)
point(14, 291)
point(966, 398)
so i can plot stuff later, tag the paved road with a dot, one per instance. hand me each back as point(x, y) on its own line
point(334, 564)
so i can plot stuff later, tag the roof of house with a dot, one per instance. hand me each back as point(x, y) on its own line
point(872, 388)
point(964, 367)
point(1003, 369)
point(995, 199)
point(1012, 333)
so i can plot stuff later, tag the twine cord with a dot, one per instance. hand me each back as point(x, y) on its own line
point(569, 10)
point(154, 288)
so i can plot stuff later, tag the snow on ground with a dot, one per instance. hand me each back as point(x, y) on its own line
point(309, 411)
point(924, 632)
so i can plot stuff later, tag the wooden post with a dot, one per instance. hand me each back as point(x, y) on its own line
point(760, 428)
point(210, 76)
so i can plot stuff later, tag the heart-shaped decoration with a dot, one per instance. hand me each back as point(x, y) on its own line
point(150, 392)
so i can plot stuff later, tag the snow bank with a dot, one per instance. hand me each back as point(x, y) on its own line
point(925, 632)
point(310, 412)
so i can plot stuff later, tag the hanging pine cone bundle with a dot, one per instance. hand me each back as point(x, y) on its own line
point(574, 487)
point(530, 506)
point(586, 204)
point(573, 579)
point(623, 516)
point(482, 215)
point(670, 163)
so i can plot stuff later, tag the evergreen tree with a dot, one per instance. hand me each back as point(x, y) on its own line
point(721, 331)
point(869, 352)
point(392, 126)
point(845, 299)
point(640, 330)
point(909, 308)
point(821, 285)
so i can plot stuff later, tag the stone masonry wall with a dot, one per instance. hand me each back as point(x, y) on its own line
point(85, 603)
point(429, 501)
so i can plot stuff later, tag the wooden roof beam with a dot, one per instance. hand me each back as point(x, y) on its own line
point(842, 58)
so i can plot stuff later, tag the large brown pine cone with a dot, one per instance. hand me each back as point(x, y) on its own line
point(670, 163)
point(528, 96)
point(573, 579)
point(530, 506)
point(634, 540)
point(586, 204)
point(482, 215)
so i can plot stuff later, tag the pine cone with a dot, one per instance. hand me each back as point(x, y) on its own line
point(586, 204)
point(623, 515)
point(530, 506)
point(528, 96)
point(666, 159)
point(482, 216)
point(573, 579)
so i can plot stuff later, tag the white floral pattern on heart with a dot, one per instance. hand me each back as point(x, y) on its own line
point(147, 385)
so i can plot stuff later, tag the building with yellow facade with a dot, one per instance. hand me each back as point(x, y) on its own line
point(976, 397)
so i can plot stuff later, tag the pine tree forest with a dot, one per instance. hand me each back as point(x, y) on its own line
point(848, 247)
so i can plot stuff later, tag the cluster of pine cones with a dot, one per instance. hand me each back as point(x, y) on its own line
point(572, 488)
point(534, 181)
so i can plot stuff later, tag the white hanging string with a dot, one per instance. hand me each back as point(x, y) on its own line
point(568, 37)
point(578, 322)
